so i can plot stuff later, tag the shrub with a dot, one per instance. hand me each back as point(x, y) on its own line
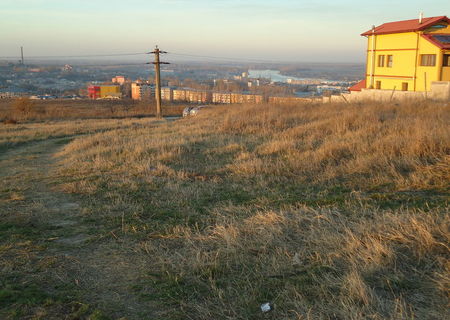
point(23, 106)
point(9, 121)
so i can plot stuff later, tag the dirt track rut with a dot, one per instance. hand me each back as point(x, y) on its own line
point(103, 269)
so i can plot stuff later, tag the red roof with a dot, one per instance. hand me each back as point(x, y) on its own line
point(357, 87)
point(406, 25)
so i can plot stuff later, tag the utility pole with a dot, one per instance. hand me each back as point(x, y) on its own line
point(21, 53)
point(157, 64)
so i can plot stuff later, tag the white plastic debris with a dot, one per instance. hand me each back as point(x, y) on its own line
point(296, 261)
point(266, 307)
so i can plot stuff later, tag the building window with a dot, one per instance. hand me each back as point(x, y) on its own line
point(404, 86)
point(381, 60)
point(428, 60)
point(446, 61)
point(378, 85)
point(439, 26)
point(390, 60)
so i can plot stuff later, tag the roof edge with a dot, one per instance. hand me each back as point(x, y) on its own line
point(438, 44)
point(432, 20)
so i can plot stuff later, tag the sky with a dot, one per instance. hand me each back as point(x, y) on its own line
point(272, 30)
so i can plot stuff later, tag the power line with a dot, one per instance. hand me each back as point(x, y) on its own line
point(223, 58)
point(99, 65)
point(110, 65)
point(78, 56)
point(236, 59)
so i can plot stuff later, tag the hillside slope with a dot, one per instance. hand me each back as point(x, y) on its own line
point(329, 211)
point(326, 211)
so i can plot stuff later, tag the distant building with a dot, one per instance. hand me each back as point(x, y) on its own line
point(303, 82)
point(67, 68)
point(119, 80)
point(12, 93)
point(198, 96)
point(179, 95)
point(104, 92)
point(110, 92)
point(93, 92)
point(289, 100)
point(167, 94)
point(407, 55)
point(223, 98)
point(328, 88)
point(141, 90)
point(245, 98)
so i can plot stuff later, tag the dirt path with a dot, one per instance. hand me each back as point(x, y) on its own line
point(64, 250)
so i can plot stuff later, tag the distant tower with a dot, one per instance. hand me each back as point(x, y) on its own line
point(21, 53)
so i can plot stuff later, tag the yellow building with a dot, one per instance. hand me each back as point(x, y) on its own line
point(167, 94)
point(198, 96)
point(218, 97)
point(179, 95)
point(408, 55)
point(110, 92)
point(246, 98)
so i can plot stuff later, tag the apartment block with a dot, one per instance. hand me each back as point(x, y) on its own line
point(119, 80)
point(167, 94)
point(141, 91)
point(246, 98)
point(198, 96)
point(288, 100)
point(179, 95)
point(224, 98)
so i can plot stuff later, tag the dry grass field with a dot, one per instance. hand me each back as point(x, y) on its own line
point(23, 133)
point(326, 211)
point(25, 110)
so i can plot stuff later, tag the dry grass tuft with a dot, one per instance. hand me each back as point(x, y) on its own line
point(314, 261)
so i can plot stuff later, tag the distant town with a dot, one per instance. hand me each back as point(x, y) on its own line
point(187, 83)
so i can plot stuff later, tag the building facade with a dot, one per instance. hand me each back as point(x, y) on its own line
point(141, 91)
point(246, 98)
point(167, 94)
point(104, 92)
point(289, 100)
point(407, 55)
point(222, 98)
point(110, 92)
point(119, 80)
point(93, 92)
point(198, 96)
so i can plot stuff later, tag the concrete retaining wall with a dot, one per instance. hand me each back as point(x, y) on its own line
point(440, 91)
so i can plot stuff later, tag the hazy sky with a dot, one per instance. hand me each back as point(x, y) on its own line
point(284, 30)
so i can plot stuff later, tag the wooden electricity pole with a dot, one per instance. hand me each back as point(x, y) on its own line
point(157, 64)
